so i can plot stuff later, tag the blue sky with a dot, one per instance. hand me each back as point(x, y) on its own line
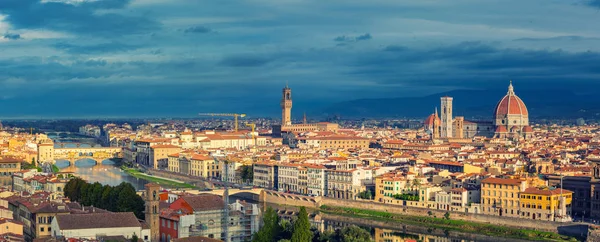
point(84, 58)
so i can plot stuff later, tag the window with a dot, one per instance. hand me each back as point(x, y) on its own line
point(168, 223)
point(42, 229)
point(163, 222)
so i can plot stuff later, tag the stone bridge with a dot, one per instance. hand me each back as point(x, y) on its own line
point(98, 154)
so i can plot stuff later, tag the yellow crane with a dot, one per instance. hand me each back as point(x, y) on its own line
point(234, 115)
point(253, 126)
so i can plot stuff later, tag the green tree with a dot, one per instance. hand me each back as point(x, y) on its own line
point(302, 231)
point(105, 198)
point(325, 236)
point(134, 238)
point(247, 173)
point(447, 215)
point(271, 228)
point(354, 234)
point(96, 198)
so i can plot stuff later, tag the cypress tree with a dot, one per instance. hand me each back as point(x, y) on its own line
point(302, 231)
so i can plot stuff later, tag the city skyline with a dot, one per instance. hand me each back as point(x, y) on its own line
point(121, 58)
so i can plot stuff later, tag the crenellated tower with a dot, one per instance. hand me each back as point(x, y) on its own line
point(286, 106)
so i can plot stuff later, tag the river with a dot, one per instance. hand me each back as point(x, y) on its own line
point(107, 173)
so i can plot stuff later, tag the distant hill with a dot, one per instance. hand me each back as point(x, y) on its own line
point(472, 104)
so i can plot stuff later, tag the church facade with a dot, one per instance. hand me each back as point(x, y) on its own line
point(510, 120)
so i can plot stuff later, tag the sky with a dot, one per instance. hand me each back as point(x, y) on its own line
point(142, 58)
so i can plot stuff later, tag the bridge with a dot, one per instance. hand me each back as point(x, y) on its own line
point(97, 154)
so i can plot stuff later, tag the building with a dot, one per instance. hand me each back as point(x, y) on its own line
point(10, 226)
point(433, 125)
point(265, 175)
point(201, 215)
point(446, 117)
point(8, 166)
point(337, 142)
point(546, 204)
point(315, 179)
point(500, 196)
point(159, 155)
point(286, 106)
point(94, 225)
point(510, 120)
point(152, 211)
point(204, 166)
point(582, 193)
point(287, 126)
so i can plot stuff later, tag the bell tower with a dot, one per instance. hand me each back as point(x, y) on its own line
point(286, 106)
point(152, 213)
point(446, 117)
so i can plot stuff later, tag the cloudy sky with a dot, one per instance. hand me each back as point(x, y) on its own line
point(99, 58)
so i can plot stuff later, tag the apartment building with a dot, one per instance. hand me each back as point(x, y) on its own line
point(500, 196)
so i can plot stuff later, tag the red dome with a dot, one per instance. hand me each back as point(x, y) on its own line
point(501, 129)
point(510, 104)
point(527, 129)
point(429, 120)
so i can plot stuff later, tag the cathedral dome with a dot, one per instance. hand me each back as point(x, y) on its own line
point(429, 120)
point(527, 129)
point(511, 110)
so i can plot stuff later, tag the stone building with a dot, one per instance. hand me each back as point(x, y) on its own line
point(510, 120)
point(287, 126)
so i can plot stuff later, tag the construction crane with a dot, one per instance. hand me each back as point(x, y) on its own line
point(253, 126)
point(234, 115)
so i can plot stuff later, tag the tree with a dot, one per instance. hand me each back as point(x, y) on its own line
point(247, 173)
point(366, 194)
point(447, 215)
point(302, 231)
point(134, 238)
point(271, 228)
point(354, 234)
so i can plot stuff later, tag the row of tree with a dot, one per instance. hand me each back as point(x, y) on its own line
point(121, 198)
point(299, 230)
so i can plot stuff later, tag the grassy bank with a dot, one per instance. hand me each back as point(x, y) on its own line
point(448, 224)
point(164, 182)
point(55, 169)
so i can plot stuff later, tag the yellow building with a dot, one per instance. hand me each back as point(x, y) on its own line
point(501, 196)
point(8, 166)
point(204, 166)
point(338, 142)
point(159, 155)
point(15, 143)
point(10, 226)
point(45, 152)
point(388, 185)
point(546, 204)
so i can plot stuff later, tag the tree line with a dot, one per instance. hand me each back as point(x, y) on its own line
point(299, 230)
point(121, 198)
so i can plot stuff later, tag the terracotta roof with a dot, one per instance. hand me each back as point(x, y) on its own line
point(493, 180)
point(546, 192)
point(204, 202)
point(97, 220)
point(510, 104)
point(196, 239)
point(164, 146)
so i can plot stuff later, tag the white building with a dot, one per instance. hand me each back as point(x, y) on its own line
point(93, 225)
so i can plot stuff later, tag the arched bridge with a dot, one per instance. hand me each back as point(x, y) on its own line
point(98, 154)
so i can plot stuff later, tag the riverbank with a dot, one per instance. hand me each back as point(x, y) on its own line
point(154, 179)
point(448, 224)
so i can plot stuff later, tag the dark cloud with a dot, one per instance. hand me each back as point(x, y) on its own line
point(111, 47)
point(475, 65)
point(76, 18)
point(198, 30)
point(395, 48)
point(12, 36)
point(558, 38)
point(594, 3)
point(244, 61)
point(366, 36)
point(347, 39)
point(342, 38)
